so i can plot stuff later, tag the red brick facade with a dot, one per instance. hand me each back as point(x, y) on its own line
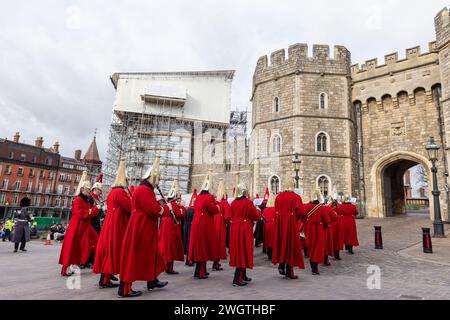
point(47, 178)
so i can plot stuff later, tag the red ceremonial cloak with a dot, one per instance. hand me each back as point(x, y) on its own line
point(170, 240)
point(350, 211)
point(268, 232)
point(315, 232)
point(80, 239)
point(221, 228)
point(338, 228)
point(140, 259)
point(242, 215)
point(203, 245)
point(107, 254)
point(286, 238)
point(329, 243)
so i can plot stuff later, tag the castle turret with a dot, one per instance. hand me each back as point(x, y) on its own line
point(442, 25)
point(302, 105)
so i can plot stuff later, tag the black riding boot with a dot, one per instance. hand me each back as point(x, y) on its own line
point(337, 255)
point(315, 268)
point(282, 269)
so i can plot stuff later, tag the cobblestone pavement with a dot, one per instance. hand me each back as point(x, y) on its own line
point(35, 274)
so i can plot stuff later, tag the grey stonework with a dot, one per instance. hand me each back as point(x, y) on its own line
point(393, 108)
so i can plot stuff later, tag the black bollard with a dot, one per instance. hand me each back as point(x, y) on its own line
point(427, 245)
point(378, 238)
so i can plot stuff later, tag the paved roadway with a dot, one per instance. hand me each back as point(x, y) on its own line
point(35, 274)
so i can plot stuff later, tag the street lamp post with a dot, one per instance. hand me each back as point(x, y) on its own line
point(296, 161)
point(433, 154)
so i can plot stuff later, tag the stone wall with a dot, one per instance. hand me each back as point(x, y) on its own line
point(297, 82)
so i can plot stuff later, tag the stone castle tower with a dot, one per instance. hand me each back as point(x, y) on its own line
point(356, 129)
point(303, 105)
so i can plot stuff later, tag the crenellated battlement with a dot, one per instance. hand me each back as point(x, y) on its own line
point(442, 25)
point(299, 51)
point(297, 60)
point(392, 63)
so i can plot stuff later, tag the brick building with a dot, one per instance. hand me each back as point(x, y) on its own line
point(48, 178)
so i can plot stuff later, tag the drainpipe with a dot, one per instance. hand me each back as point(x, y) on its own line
point(436, 97)
point(360, 154)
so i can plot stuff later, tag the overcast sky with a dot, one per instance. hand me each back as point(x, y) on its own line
point(56, 56)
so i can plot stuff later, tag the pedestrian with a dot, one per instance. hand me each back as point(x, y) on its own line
point(80, 238)
point(21, 234)
point(140, 259)
point(269, 214)
point(220, 224)
point(97, 191)
point(317, 220)
point(286, 239)
point(170, 240)
point(109, 247)
point(242, 216)
point(9, 225)
point(350, 211)
point(203, 245)
point(189, 216)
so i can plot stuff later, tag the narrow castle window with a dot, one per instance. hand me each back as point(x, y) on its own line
point(276, 104)
point(323, 101)
point(275, 184)
point(276, 144)
point(321, 142)
point(323, 183)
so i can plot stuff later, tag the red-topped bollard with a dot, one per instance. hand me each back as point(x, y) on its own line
point(426, 238)
point(378, 238)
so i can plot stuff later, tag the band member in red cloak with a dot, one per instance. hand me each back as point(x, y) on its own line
point(140, 259)
point(350, 211)
point(187, 227)
point(170, 240)
point(317, 221)
point(269, 213)
point(107, 255)
point(242, 216)
point(286, 239)
point(203, 245)
point(80, 239)
point(338, 229)
point(97, 191)
point(221, 225)
point(329, 234)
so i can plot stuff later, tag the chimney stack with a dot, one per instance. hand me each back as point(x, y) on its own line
point(39, 142)
point(17, 137)
point(56, 147)
point(78, 155)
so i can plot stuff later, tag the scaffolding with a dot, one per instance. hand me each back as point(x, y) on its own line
point(139, 137)
point(159, 123)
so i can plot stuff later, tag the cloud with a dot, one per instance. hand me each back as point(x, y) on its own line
point(57, 56)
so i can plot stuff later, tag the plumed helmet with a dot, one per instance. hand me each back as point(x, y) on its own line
point(241, 190)
point(207, 183)
point(271, 201)
point(317, 195)
point(174, 190)
point(153, 173)
point(221, 193)
point(335, 195)
point(347, 198)
point(289, 182)
point(84, 182)
point(121, 177)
